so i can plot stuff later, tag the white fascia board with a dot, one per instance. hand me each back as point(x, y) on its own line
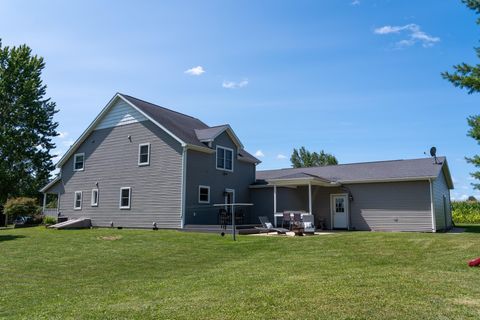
point(386, 180)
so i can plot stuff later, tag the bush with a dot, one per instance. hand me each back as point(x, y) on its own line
point(466, 212)
point(21, 207)
point(49, 220)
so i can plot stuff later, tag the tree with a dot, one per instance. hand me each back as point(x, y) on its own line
point(303, 158)
point(466, 76)
point(26, 124)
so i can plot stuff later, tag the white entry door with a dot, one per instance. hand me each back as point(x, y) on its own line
point(340, 211)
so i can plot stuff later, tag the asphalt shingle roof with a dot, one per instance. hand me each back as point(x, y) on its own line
point(380, 170)
point(189, 129)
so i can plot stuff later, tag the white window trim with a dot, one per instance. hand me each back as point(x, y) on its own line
point(91, 201)
point(75, 200)
point(139, 148)
point(75, 161)
point(204, 187)
point(129, 198)
point(224, 160)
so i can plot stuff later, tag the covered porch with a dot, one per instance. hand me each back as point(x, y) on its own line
point(327, 201)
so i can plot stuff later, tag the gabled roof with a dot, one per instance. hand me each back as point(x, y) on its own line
point(209, 134)
point(393, 170)
point(179, 126)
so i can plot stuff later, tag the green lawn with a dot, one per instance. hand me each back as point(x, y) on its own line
point(175, 275)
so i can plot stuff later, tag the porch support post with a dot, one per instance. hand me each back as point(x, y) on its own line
point(275, 204)
point(310, 197)
point(44, 202)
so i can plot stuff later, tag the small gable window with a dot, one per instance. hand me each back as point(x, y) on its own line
point(94, 201)
point(125, 197)
point(79, 162)
point(77, 204)
point(224, 158)
point(203, 194)
point(144, 154)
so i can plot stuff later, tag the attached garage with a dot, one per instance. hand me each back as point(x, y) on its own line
point(398, 195)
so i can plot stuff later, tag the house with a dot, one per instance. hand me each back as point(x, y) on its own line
point(140, 164)
point(399, 195)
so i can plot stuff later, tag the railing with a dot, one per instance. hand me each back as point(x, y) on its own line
point(52, 212)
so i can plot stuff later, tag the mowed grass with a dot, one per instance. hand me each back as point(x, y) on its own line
point(145, 274)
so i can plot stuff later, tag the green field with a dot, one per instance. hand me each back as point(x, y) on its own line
point(144, 274)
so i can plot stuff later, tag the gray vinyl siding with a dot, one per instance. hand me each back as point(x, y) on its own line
point(111, 160)
point(201, 170)
point(443, 215)
point(391, 206)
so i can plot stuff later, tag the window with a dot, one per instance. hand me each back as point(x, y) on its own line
point(79, 162)
point(94, 201)
point(77, 203)
point(125, 196)
point(144, 154)
point(224, 158)
point(203, 194)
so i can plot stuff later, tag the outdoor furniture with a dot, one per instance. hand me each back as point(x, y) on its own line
point(297, 217)
point(224, 218)
point(287, 218)
point(240, 216)
point(267, 226)
point(321, 224)
point(308, 224)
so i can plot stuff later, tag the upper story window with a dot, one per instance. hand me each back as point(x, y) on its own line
point(224, 158)
point(125, 197)
point(77, 202)
point(203, 194)
point(144, 154)
point(79, 162)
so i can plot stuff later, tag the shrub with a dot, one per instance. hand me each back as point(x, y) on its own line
point(22, 206)
point(49, 220)
point(466, 212)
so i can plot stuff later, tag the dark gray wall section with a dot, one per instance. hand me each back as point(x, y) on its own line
point(391, 206)
point(201, 170)
point(443, 214)
point(112, 161)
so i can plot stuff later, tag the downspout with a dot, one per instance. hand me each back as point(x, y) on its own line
point(44, 202)
point(184, 186)
point(434, 224)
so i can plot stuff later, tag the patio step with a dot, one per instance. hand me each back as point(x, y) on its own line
point(73, 224)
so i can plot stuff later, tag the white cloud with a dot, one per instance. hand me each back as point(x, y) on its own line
point(259, 154)
point(195, 71)
point(62, 134)
point(413, 32)
point(68, 142)
point(234, 85)
point(355, 2)
point(281, 157)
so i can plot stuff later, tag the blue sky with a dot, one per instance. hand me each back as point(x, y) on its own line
point(357, 78)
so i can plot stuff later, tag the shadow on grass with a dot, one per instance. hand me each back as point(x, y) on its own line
point(9, 237)
point(470, 228)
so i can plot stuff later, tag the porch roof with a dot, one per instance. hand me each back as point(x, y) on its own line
point(380, 171)
point(301, 178)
